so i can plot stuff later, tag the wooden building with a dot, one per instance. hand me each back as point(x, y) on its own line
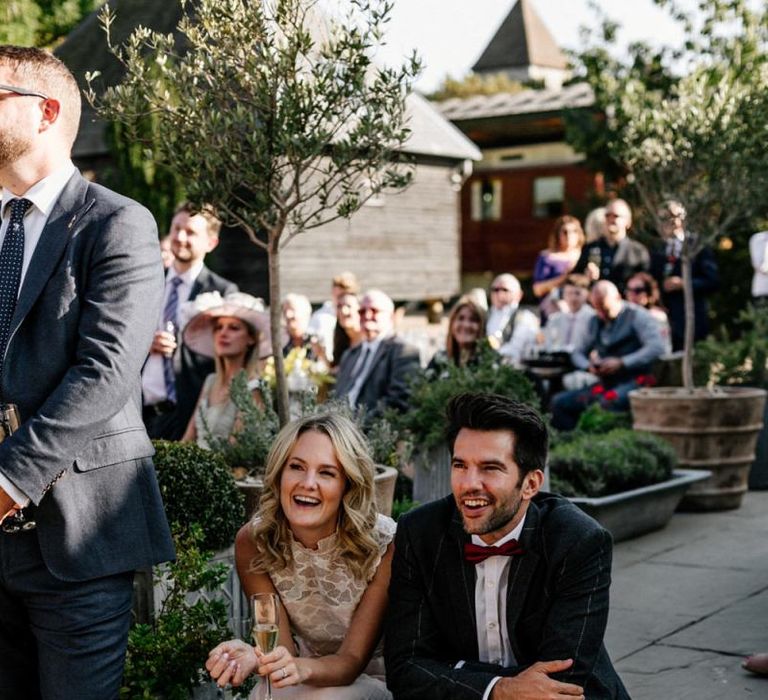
point(528, 175)
point(406, 244)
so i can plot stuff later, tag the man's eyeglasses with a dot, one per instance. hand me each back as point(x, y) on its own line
point(500, 289)
point(23, 91)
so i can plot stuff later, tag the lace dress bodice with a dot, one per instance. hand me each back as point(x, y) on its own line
point(321, 595)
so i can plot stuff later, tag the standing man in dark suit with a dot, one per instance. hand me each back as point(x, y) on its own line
point(173, 376)
point(80, 290)
point(375, 374)
point(666, 268)
point(499, 591)
point(614, 256)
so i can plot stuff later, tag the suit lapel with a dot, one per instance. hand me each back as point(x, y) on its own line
point(200, 283)
point(69, 214)
point(348, 363)
point(461, 583)
point(383, 348)
point(521, 570)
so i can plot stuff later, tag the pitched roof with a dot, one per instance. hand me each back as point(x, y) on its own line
point(506, 104)
point(522, 40)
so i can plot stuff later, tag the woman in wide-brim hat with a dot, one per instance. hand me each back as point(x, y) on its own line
point(234, 331)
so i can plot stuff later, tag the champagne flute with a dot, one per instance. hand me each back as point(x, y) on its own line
point(265, 608)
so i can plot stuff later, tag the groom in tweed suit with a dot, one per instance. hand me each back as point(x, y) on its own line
point(80, 288)
point(499, 591)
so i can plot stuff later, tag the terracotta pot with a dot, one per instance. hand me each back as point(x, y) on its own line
point(714, 429)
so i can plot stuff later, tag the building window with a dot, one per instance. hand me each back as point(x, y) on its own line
point(548, 197)
point(486, 200)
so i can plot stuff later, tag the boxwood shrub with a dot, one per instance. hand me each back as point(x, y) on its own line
point(197, 487)
point(600, 465)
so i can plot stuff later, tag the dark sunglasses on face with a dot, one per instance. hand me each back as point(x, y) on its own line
point(23, 91)
point(499, 289)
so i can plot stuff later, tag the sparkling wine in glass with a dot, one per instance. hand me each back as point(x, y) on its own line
point(265, 609)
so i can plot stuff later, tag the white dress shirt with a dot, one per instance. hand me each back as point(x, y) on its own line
point(493, 642)
point(43, 195)
point(758, 252)
point(152, 377)
point(362, 368)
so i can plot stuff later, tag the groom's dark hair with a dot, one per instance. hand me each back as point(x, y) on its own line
point(487, 412)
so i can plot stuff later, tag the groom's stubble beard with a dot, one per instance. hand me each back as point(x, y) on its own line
point(504, 512)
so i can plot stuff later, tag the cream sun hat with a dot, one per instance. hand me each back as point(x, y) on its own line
point(198, 317)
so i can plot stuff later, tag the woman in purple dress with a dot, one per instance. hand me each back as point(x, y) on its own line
point(556, 262)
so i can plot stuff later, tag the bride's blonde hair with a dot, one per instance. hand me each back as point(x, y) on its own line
point(357, 544)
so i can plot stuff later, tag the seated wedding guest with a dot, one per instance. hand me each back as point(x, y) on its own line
point(643, 290)
point(465, 331)
point(566, 328)
point(556, 262)
point(511, 330)
point(318, 543)
point(322, 323)
point(375, 374)
point(499, 590)
point(296, 313)
point(348, 332)
point(234, 331)
point(620, 348)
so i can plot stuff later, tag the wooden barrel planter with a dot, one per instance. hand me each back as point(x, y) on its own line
point(714, 429)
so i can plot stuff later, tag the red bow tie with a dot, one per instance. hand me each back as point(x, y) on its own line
point(474, 553)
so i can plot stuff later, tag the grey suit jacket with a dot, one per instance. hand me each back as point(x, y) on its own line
point(557, 603)
point(386, 384)
point(82, 327)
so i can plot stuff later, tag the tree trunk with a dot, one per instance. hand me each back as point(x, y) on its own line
point(688, 336)
point(281, 386)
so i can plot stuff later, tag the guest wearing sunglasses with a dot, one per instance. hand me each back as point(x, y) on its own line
point(511, 330)
point(643, 291)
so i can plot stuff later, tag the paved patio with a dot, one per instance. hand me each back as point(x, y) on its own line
point(689, 602)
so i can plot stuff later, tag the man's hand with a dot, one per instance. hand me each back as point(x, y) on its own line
point(7, 505)
point(535, 684)
point(609, 365)
point(673, 284)
point(593, 271)
point(163, 343)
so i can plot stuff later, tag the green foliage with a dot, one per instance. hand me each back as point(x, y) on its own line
point(249, 446)
point(166, 659)
point(139, 177)
point(697, 138)
point(41, 22)
point(741, 361)
point(476, 84)
point(258, 424)
point(402, 505)
point(198, 490)
point(425, 420)
point(619, 460)
point(275, 113)
point(596, 420)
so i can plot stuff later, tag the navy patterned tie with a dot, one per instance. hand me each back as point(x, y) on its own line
point(169, 322)
point(11, 260)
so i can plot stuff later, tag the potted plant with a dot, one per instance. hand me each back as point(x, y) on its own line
point(183, 608)
point(623, 478)
point(424, 422)
point(693, 140)
point(741, 361)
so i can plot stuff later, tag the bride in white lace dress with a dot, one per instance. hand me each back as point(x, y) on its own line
point(318, 543)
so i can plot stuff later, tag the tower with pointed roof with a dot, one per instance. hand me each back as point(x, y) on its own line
point(524, 49)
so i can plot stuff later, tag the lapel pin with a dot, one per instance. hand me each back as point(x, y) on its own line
point(72, 222)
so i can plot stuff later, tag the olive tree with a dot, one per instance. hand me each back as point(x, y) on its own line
point(699, 139)
point(274, 111)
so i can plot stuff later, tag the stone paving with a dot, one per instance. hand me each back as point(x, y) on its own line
point(689, 602)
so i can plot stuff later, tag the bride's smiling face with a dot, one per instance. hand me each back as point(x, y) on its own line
point(312, 485)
